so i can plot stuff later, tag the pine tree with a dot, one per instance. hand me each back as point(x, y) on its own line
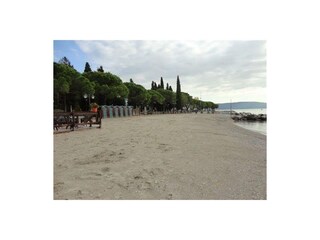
point(178, 101)
point(65, 61)
point(100, 69)
point(87, 68)
point(161, 83)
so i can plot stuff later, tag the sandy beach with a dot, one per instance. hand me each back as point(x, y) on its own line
point(174, 156)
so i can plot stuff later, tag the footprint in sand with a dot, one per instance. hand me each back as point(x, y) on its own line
point(78, 195)
point(169, 197)
point(58, 186)
point(112, 154)
point(164, 147)
point(145, 186)
point(105, 169)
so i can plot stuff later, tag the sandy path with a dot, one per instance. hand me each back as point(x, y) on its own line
point(186, 156)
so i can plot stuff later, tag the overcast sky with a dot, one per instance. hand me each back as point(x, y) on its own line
point(217, 71)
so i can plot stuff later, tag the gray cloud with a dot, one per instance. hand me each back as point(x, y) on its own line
point(209, 68)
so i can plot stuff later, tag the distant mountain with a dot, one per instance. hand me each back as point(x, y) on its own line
point(242, 105)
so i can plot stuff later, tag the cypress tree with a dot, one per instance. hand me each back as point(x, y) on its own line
point(132, 81)
point(167, 88)
point(170, 88)
point(87, 68)
point(161, 83)
point(178, 101)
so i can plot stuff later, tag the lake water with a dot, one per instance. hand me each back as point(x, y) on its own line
point(260, 127)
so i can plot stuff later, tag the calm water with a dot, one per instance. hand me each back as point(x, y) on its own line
point(260, 127)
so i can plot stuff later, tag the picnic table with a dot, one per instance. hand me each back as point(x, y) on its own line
point(72, 120)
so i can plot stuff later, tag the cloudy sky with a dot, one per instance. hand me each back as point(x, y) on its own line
point(217, 71)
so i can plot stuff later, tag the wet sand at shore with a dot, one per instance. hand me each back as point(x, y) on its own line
point(174, 156)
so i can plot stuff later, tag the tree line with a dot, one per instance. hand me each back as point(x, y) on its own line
point(74, 90)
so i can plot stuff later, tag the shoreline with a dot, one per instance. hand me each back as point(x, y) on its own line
point(174, 156)
point(245, 125)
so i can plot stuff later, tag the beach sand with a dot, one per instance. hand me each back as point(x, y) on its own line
point(172, 156)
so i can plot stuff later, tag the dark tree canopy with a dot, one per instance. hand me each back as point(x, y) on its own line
point(87, 67)
point(154, 86)
point(65, 61)
point(103, 78)
point(138, 95)
point(156, 97)
point(161, 83)
point(70, 86)
point(100, 69)
point(170, 98)
point(179, 97)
